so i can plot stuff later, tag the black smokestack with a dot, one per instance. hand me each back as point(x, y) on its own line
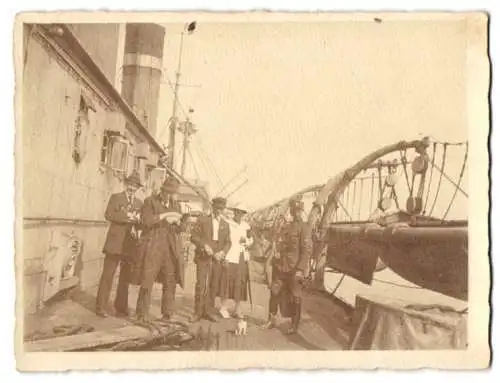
point(142, 71)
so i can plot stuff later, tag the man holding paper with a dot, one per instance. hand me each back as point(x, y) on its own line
point(161, 259)
point(212, 241)
point(121, 245)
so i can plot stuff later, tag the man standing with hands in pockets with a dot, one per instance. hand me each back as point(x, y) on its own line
point(212, 241)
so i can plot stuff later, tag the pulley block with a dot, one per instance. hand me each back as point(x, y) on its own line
point(419, 164)
point(391, 180)
point(414, 205)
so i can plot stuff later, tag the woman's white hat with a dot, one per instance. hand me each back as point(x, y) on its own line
point(239, 207)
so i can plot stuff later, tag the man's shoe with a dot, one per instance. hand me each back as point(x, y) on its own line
point(142, 318)
point(101, 313)
point(271, 323)
point(211, 317)
point(195, 318)
point(122, 314)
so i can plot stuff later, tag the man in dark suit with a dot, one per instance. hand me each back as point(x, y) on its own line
point(160, 256)
point(121, 244)
point(289, 266)
point(212, 241)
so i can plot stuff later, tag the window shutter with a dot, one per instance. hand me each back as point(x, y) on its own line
point(118, 154)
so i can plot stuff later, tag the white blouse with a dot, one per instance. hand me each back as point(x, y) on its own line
point(237, 232)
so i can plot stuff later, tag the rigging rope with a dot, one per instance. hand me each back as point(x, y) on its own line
point(205, 160)
point(404, 161)
point(380, 189)
point(443, 162)
point(451, 181)
point(354, 197)
point(171, 85)
point(192, 161)
point(393, 194)
point(372, 192)
point(178, 102)
point(458, 143)
point(361, 199)
point(412, 184)
point(430, 177)
point(421, 185)
point(348, 191)
point(459, 180)
point(397, 284)
point(348, 216)
point(333, 271)
point(212, 165)
point(395, 197)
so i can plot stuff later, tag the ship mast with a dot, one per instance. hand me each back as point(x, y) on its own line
point(187, 129)
point(188, 29)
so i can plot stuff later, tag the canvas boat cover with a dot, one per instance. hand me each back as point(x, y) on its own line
point(387, 324)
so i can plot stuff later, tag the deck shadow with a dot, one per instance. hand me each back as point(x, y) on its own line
point(298, 339)
point(331, 315)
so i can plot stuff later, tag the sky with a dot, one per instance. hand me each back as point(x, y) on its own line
point(297, 102)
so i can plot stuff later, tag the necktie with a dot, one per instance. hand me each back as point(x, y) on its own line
point(129, 202)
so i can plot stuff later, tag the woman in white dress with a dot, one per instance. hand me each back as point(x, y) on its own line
point(235, 278)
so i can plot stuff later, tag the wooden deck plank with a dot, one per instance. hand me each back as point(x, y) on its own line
point(87, 340)
point(322, 327)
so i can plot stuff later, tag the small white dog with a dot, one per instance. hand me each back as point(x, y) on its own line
point(241, 327)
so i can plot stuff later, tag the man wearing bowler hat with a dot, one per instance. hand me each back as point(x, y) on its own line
point(212, 240)
point(160, 257)
point(121, 245)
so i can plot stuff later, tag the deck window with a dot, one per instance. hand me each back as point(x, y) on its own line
point(115, 151)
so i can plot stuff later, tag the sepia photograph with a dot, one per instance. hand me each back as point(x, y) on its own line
point(292, 188)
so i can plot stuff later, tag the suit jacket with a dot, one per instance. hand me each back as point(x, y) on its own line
point(119, 239)
point(294, 247)
point(159, 239)
point(202, 235)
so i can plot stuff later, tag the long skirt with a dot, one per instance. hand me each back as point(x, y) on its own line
point(234, 281)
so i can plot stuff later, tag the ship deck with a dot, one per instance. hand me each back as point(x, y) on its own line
point(324, 326)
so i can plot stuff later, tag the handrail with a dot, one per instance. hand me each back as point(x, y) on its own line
point(43, 221)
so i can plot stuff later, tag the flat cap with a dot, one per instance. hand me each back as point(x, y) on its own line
point(296, 202)
point(219, 202)
point(171, 184)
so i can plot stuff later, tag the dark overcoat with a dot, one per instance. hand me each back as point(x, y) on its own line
point(203, 233)
point(120, 239)
point(159, 239)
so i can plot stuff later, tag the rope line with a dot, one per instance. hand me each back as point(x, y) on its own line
point(212, 165)
point(443, 162)
point(354, 196)
point(459, 181)
point(372, 192)
point(403, 161)
point(380, 281)
point(348, 216)
point(361, 199)
point(456, 143)
point(208, 165)
point(448, 178)
point(430, 176)
point(192, 161)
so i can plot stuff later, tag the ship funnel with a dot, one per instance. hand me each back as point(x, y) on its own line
point(142, 71)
